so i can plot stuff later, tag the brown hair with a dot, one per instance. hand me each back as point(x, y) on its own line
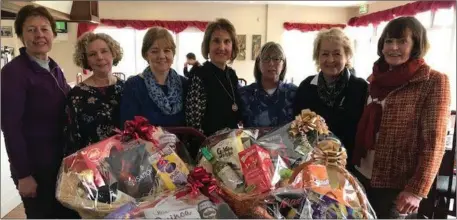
point(333, 34)
point(398, 28)
point(154, 34)
point(80, 54)
point(270, 47)
point(220, 24)
point(32, 10)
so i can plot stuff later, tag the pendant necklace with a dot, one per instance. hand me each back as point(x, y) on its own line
point(234, 105)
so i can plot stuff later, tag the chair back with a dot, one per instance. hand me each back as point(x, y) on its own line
point(242, 82)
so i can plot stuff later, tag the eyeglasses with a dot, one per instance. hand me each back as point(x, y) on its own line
point(274, 59)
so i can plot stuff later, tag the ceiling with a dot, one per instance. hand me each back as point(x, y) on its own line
point(304, 3)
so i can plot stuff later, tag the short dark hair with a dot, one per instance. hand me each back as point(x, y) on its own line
point(191, 56)
point(32, 10)
point(220, 24)
point(398, 27)
point(269, 47)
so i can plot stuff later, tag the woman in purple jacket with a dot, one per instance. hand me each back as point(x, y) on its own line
point(33, 93)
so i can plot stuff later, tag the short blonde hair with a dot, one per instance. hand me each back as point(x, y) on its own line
point(333, 34)
point(154, 34)
point(220, 24)
point(80, 54)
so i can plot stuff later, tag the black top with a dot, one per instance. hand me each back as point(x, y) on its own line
point(210, 99)
point(187, 73)
point(343, 118)
point(93, 114)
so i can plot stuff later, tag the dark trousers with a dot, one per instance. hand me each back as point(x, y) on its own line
point(382, 200)
point(45, 204)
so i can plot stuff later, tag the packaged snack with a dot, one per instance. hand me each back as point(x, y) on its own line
point(225, 146)
point(224, 172)
point(170, 168)
point(257, 168)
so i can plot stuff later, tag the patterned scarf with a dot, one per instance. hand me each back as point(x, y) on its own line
point(382, 82)
point(329, 92)
point(169, 104)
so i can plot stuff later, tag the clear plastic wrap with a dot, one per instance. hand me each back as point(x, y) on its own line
point(185, 203)
point(302, 160)
point(320, 188)
point(134, 166)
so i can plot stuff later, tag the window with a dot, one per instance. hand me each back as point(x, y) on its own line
point(189, 41)
point(364, 50)
point(425, 18)
point(131, 41)
point(298, 48)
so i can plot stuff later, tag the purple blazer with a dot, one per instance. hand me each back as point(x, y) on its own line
point(33, 115)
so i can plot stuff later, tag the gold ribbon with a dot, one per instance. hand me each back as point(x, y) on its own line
point(307, 121)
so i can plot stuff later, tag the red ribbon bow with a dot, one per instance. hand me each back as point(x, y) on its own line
point(198, 181)
point(138, 128)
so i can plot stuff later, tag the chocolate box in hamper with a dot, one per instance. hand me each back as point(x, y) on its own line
point(257, 168)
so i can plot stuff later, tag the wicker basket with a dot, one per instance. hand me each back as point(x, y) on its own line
point(67, 194)
point(242, 204)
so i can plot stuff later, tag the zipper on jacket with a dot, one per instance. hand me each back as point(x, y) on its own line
point(57, 82)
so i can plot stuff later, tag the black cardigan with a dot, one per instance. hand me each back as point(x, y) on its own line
point(208, 106)
point(343, 118)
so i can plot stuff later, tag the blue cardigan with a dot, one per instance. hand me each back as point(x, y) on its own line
point(263, 110)
point(136, 102)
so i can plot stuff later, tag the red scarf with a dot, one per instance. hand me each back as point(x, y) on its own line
point(382, 82)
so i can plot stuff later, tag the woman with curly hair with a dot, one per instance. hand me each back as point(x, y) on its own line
point(93, 105)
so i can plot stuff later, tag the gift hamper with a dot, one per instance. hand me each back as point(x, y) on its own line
point(294, 171)
point(137, 165)
point(198, 200)
point(319, 186)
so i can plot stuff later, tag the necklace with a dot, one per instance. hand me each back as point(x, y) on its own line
point(234, 105)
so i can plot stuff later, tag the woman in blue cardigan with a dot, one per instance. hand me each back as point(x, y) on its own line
point(158, 93)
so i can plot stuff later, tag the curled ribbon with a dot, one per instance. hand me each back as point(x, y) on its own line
point(307, 121)
point(200, 181)
point(138, 128)
point(331, 154)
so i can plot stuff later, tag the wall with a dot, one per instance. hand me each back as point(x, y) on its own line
point(10, 196)
point(62, 53)
point(248, 19)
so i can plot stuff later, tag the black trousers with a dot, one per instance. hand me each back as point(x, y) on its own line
point(382, 200)
point(45, 205)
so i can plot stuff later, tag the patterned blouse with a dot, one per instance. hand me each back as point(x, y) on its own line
point(93, 113)
point(264, 110)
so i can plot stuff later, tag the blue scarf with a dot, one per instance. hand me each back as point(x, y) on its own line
point(169, 104)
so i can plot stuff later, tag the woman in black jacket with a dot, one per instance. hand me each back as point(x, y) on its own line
point(334, 93)
point(213, 102)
